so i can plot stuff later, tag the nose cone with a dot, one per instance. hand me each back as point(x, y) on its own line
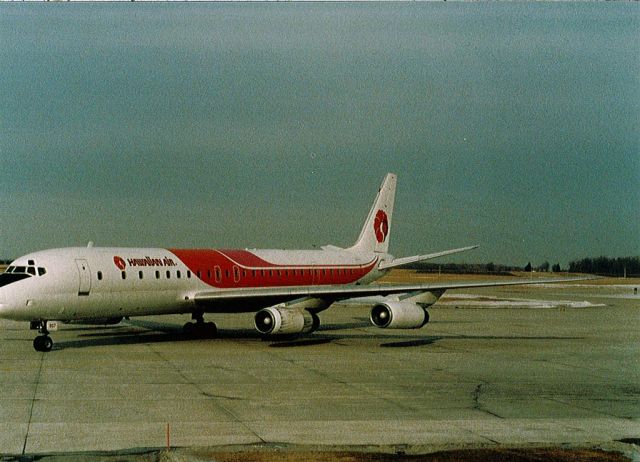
point(3, 301)
point(10, 311)
point(6, 310)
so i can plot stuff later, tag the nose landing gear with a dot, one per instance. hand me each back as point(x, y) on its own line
point(42, 342)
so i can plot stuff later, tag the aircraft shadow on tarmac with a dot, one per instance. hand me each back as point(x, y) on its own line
point(301, 342)
point(88, 328)
point(140, 331)
point(434, 339)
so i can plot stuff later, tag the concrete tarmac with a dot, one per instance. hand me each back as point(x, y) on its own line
point(507, 366)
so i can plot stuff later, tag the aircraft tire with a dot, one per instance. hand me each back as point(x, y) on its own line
point(200, 329)
point(189, 329)
point(43, 343)
point(210, 329)
point(205, 330)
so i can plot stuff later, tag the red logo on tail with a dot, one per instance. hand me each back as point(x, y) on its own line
point(119, 263)
point(381, 226)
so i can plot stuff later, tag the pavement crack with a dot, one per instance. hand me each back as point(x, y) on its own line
point(214, 398)
point(33, 402)
point(477, 405)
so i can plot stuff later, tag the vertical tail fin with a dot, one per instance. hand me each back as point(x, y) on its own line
point(374, 236)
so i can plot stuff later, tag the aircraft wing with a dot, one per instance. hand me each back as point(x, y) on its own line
point(250, 299)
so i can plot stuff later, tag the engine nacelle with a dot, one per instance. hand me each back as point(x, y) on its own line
point(399, 315)
point(277, 320)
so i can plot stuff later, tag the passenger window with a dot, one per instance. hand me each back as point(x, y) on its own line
point(178, 274)
point(168, 274)
point(99, 275)
point(157, 274)
point(124, 275)
point(188, 274)
point(140, 274)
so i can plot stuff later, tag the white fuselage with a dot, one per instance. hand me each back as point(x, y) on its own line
point(89, 282)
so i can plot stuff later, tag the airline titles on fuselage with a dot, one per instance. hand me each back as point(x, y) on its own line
point(146, 261)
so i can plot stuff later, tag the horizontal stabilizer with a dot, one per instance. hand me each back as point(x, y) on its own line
point(415, 258)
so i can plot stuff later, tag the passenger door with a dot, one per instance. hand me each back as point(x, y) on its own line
point(84, 275)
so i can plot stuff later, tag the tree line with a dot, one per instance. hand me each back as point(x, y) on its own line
point(603, 266)
point(464, 268)
point(623, 266)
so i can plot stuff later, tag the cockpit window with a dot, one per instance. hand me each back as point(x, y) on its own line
point(26, 270)
point(8, 278)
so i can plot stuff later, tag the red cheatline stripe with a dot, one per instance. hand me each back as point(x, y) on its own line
point(245, 269)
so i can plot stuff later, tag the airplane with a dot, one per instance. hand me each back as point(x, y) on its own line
point(285, 288)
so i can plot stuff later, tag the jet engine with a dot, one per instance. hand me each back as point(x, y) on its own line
point(399, 315)
point(278, 320)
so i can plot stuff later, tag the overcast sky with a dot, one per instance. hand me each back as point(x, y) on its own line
point(510, 126)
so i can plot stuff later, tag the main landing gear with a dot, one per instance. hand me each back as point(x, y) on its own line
point(42, 342)
point(200, 329)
